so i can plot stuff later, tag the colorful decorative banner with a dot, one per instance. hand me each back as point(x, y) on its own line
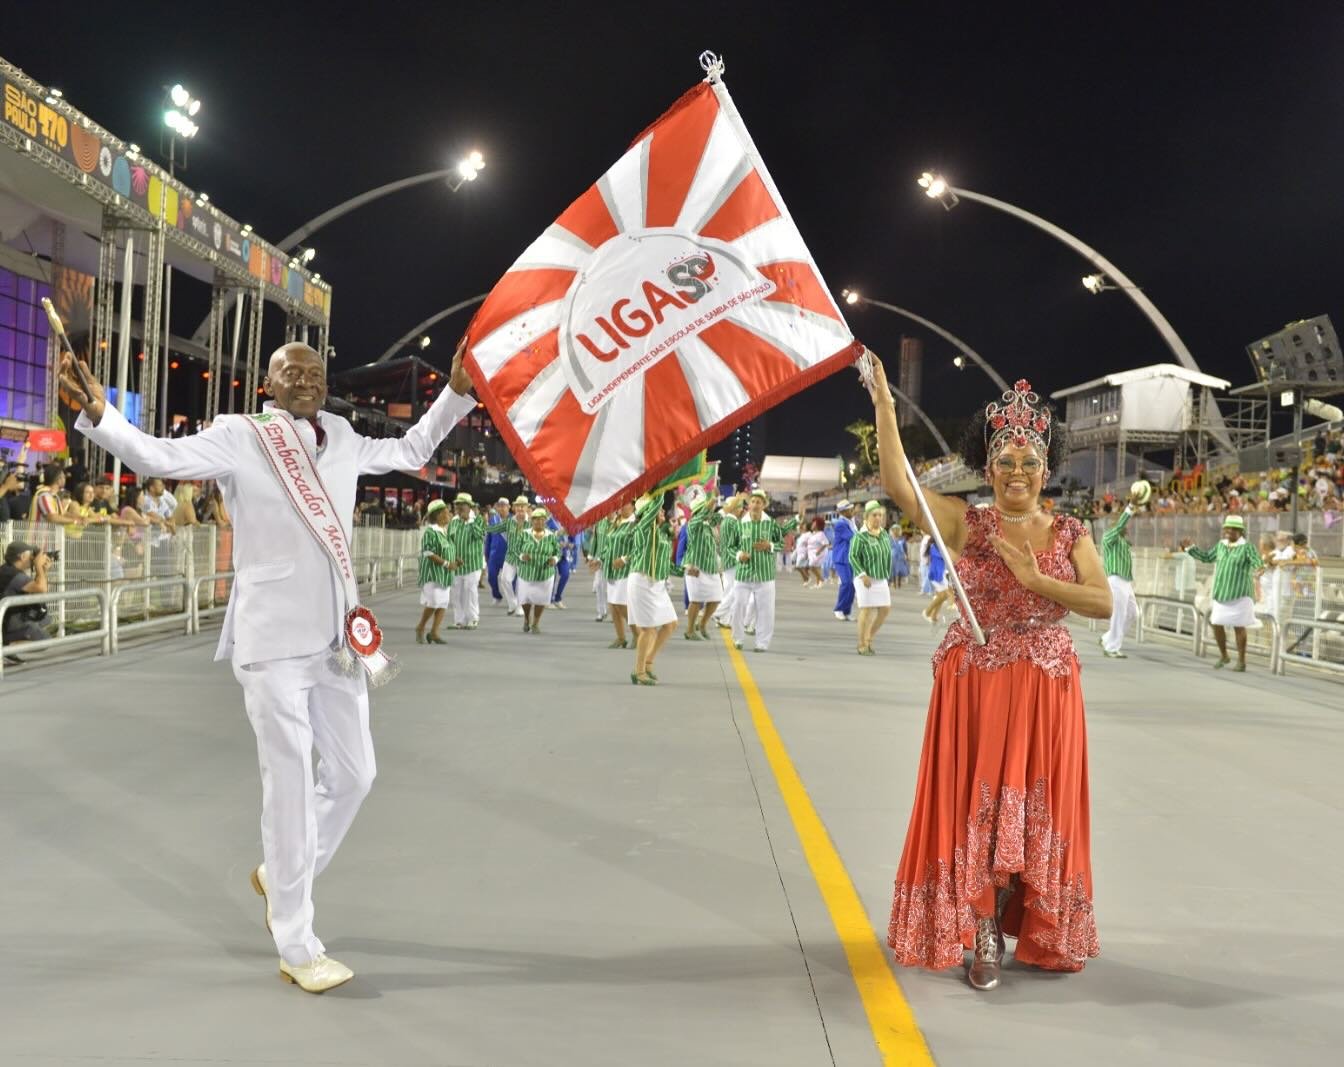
point(671, 302)
point(128, 176)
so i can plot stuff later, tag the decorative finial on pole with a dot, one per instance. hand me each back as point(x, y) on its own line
point(712, 65)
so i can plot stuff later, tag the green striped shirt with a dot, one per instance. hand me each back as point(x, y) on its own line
point(1234, 568)
point(542, 554)
point(730, 531)
point(1115, 554)
point(870, 554)
point(760, 566)
point(650, 551)
point(515, 529)
point(434, 541)
point(592, 544)
point(618, 546)
point(702, 551)
point(468, 540)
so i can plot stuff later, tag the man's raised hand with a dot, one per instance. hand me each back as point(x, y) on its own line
point(458, 378)
point(82, 385)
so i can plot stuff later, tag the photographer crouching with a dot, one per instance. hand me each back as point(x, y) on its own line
point(24, 572)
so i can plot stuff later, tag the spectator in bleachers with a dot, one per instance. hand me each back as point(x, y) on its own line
point(47, 504)
point(81, 507)
point(13, 504)
point(214, 510)
point(102, 504)
point(24, 572)
point(157, 501)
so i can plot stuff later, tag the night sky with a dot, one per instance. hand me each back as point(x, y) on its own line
point(1199, 151)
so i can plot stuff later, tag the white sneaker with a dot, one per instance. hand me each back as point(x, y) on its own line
point(839, 615)
point(316, 976)
point(558, 604)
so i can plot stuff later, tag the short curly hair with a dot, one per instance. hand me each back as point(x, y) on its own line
point(973, 446)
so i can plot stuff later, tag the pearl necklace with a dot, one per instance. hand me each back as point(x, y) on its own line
point(1017, 518)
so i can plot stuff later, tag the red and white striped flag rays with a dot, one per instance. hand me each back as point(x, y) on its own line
point(671, 302)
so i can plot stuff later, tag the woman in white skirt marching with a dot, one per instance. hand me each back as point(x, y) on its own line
point(616, 566)
point(537, 557)
point(651, 607)
point(870, 556)
point(1236, 562)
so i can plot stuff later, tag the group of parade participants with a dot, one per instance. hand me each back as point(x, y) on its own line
point(728, 558)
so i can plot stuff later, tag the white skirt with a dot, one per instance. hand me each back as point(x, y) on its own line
point(1239, 612)
point(436, 596)
point(878, 595)
point(618, 591)
point(535, 592)
point(704, 588)
point(650, 606)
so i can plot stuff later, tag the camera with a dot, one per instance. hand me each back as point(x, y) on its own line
point(54, 555)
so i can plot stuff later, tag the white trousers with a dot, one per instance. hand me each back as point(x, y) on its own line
point(724, 612)
point(467, 598)
point(761, 596)
point(296, 705)
point(1124, 610)
point(507, 574)
point(600, 590)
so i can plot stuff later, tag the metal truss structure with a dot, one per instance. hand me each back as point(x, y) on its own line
point(121, 217)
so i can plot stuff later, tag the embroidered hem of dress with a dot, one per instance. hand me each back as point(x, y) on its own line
point(933, 921)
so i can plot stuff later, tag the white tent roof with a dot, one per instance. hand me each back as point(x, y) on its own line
point(799, 474)
point(1140, 374)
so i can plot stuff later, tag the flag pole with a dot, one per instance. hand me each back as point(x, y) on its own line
point(864, 365)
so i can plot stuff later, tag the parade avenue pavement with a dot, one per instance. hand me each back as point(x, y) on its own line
point(556, 867)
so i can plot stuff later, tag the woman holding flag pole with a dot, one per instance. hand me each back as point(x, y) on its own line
point(998, 841)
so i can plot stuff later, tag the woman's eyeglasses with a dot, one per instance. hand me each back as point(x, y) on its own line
point(1004, 465)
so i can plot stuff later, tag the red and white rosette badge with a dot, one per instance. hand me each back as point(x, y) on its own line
point(361, 639)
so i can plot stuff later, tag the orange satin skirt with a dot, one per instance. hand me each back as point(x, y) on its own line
point(1001, 803)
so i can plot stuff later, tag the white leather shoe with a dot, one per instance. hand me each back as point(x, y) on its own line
point(259, 885)
point(316, 976)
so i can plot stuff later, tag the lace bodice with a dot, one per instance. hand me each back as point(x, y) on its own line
point(1018, 623)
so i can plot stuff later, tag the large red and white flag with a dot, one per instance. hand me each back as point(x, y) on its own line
point(671, 302)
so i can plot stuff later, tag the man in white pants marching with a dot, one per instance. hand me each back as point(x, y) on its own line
point(288, 476)
point(1119, 563)
point(467, 533)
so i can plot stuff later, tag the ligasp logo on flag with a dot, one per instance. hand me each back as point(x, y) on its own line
point(671, 302)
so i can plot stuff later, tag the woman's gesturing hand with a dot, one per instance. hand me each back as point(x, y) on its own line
point(1021, 561)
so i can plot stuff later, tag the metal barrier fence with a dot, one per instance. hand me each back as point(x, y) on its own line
point(1324, 530)
point(1298, 612)
point(112, 580)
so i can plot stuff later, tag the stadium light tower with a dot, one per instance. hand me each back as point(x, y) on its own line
point(1109, 276)
point(852, 297)
point(180, 109)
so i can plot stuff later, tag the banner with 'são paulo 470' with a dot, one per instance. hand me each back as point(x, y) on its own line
point(671, 302)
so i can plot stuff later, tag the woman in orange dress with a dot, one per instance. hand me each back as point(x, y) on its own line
point(998, 842)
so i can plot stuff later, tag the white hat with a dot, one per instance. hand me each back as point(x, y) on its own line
point(844, 505)
point(695, 496)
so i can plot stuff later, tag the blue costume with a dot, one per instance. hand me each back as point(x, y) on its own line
point(900, 566)
point(561, 568)
point(496, 546)
point(937, 566)
point(844, 533)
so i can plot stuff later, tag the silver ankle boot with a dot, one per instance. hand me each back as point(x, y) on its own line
point(984, 970)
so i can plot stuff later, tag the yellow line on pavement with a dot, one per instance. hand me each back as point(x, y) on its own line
point(898, 1037)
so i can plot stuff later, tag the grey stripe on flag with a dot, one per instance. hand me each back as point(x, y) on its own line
point(537, 385)
point(582, 484)
point(739, 172)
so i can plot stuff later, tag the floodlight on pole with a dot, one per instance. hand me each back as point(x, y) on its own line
point(853, 297)
point(937, 187)
point(309, 254)
point(179, 95)
point(469, 168)
point(424, 342)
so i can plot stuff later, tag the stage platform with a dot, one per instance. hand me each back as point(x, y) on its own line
point(558, 868)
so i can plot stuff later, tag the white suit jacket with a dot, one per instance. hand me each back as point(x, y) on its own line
point(285, 600)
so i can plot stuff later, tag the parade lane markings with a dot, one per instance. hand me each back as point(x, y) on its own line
point(897, 1035)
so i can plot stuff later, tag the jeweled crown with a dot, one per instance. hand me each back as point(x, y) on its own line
point(1018, 418)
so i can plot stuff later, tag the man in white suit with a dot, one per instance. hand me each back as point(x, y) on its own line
point(286, 616)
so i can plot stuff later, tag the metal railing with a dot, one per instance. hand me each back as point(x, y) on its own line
point(101, 633)
point(149, 622)
point(112, 581)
